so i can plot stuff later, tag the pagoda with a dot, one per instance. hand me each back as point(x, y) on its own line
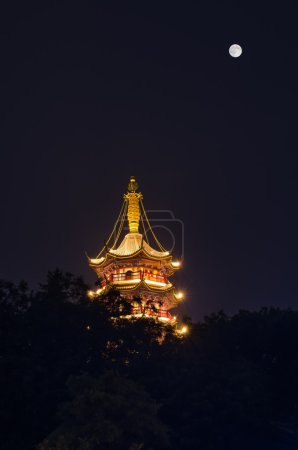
point(134, 268)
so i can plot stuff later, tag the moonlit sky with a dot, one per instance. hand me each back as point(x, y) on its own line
point(94, 93)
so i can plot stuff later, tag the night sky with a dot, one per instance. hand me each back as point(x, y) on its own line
point(92, 93)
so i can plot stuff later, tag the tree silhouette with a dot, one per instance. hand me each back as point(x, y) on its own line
point(230, 383)
point(109, 412)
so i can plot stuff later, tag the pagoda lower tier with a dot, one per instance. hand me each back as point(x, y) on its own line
point(144, 284)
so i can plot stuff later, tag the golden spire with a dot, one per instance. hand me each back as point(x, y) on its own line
point(133, 210)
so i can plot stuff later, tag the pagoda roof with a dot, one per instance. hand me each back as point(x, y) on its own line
point(132, 245)
point(142, 286)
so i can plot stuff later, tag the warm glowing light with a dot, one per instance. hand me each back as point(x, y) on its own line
point(99, 291)
point(132, 281)
point(183, 330)
point(96, 260)
point(176, 263)
point(133, 267)
point(157, 283)
point(92, 294)
point(133, 210)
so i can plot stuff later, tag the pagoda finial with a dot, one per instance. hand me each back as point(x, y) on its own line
point(132, 185)
point(133, 210)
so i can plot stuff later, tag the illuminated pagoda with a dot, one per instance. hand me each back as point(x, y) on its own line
point(138, 271)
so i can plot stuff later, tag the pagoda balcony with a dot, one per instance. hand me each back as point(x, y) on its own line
point(162, 314)
point(137, 276)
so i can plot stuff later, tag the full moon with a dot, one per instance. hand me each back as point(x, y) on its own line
point(235, 50)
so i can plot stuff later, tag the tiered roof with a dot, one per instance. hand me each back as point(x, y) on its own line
point(135, 250)
point(134, 243)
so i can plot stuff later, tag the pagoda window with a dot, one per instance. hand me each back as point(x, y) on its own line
point(128, 274)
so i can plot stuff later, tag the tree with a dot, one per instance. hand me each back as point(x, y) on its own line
point(229, 383)
point(109, 412)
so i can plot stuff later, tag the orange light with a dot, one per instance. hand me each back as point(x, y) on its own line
point(179, 295)
point(176, 263)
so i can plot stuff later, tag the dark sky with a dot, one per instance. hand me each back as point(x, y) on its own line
point(92, 93)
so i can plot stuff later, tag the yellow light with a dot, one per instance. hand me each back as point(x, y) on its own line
point(157, 283)
point(176, 263)
point(133, 210)
point(88, 327)
point(132, 281)
point(183, 330)
point(96, 260)
point(179, 295)
point(92, 294)
point(99, 291)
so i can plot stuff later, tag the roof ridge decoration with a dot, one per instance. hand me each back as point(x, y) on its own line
point(134, 241)
point(133, 211)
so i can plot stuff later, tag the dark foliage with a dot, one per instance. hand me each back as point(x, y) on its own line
point(108, 412)
point(73, 378)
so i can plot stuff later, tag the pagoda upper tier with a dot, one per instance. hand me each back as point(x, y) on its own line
point(134, 245)
point(134, 267)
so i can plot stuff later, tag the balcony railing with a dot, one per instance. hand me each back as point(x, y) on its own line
point(146, 310)
point(126, 276)
point(138, 275)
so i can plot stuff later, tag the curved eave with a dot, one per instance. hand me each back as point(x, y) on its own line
point(172, 270)
point(159, 289)
point(108, 256)
point(144, 252)
point(142, 283)
point(169, 291)
point(97, 264)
